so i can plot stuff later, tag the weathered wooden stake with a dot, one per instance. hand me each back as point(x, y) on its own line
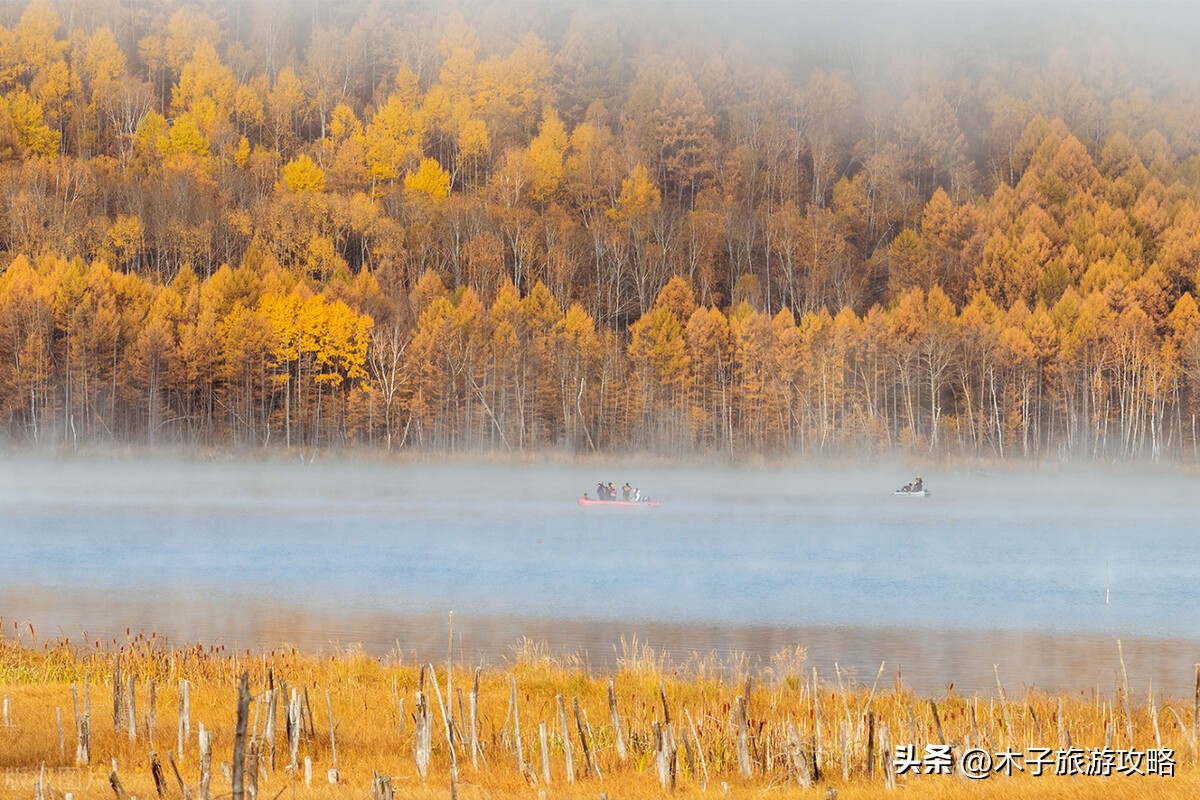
point(816, 692)
point(130, 709)
point(7, 718)
point(269, 725)
point(843, 735)
point(798, 757)
point(156, 771)
point(422, 734)
point(448, 722)
point(205, 740)
point(519, 755)
point(81, 726)
point(183, 790)
point(588, 763)
point(239, 737)
point(885, 750)
point(294, 714)
point(185, 717)
point(545, 753)
point(333, 772)
point(474, 735)
point(616, 721)
point(118, 709)
point(381, 787)
point(252, 771)
point(699, 750)
point(660, 754)
point(871, 744)
point(115, 783)
point(151, 713)
point(743, 750)
point(62, 745)
point(566, 737)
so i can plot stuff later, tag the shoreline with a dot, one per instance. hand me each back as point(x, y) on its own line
point(1042, 660)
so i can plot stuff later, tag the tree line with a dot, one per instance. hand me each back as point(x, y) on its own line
point(392, 227)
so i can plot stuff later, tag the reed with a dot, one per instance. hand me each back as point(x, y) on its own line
point(687, 729)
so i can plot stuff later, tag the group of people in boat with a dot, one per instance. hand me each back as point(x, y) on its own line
point(916, 486)
point(609, 491)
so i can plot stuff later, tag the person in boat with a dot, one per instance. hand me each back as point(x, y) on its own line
point(612, 491)
point(626, 491)
point(637, 495)
point(908, 487)
point(599, 491)
point(918, 485)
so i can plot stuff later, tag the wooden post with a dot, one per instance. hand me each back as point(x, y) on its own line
point(183, 792)
point(269, 725)
point(62, 745)
point(798, 757)
point(519, 755)
point(616, 721)
point(660, 754)
point(422, 735)
point(185, 717)
point(885, 749)
point(844, 737)
point(118, 710)
point(130, 709)
point(81, 725)
point(743, 750)
point(816, 693)
point(205, 761)
point(7, 718)
point(448, 722)
point(239, 737)
point(474, 735)
point(294, 715)
point(381, 787)
point(252, 771)
point(545, 753)
point(115, 783)
point(589, 764)
point(871, 744)
point(566, 736)
point(156, 771)
point(151, 714)
point(333, 772)
point(699, 750)
point(937, 722)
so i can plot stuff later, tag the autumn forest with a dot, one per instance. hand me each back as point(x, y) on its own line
point(673, 228)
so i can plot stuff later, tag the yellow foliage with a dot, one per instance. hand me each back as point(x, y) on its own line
point(639, 197)
point(303, 175)
point(429, 180)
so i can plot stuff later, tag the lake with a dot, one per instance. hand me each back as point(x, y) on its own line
point(1038, 570)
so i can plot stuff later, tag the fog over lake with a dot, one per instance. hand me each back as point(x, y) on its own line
point(1039, 570)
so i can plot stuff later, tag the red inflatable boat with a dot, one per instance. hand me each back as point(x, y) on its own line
point(588, 501)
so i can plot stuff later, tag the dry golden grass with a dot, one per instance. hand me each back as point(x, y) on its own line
point(371, 736)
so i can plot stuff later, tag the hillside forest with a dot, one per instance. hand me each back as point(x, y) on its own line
point(743, 229)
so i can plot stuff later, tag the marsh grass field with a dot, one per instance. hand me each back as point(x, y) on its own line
point(704, 727)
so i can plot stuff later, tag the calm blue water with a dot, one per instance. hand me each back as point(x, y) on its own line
point(747, 559)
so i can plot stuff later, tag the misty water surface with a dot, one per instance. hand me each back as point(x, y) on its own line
point(1039, 570)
